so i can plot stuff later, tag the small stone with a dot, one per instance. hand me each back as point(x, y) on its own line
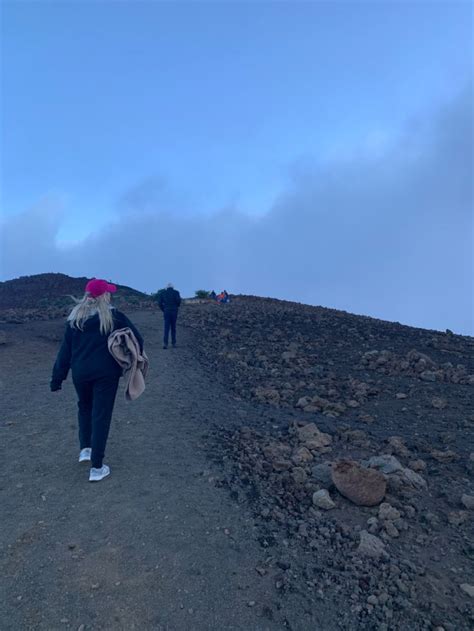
point(417, 465)
point(370, 545)
point(445, 456)
point(373, 600)
point(312, 438)
point(398, 446)
point(438, 403)
point(410, 478)
point(322, 499)
point(299, 475)
point(391, 529)
point(301, 455)
point(468, 589)
point(401, 395)
point(353, 403)
point(409, 510)
point(428, 375)
point(251, 603)
point(457, 518)
point(386, 463)
point(281, 464)
point(373, 525)
point(95, 586)
point(81, 627)
point(322, 473)
point(303, 402)
point(388, 512)
point(468, 501)
point(382, 598)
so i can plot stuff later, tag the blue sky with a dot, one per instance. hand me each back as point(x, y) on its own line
point(116, 110)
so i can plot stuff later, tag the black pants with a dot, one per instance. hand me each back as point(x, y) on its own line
point(170, 323)
point(96, 403)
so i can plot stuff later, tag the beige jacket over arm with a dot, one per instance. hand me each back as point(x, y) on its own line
point(125, 349)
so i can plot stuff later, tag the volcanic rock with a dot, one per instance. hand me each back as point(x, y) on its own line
point(457, 518)
point(299, 475)
point(417, 465)
point(323, 500)
point(301, 455)
point(468, 501)
point(364, 487)
point(410, 478)
point(444, 456)
point(370, 545)
point(439, 403)
point(398, 446)
point(388, 512)
point(467, 589)
point(312, 438)
point(386, 463)
point(322, 473)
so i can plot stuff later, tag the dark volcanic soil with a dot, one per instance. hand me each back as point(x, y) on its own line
point(208, 520)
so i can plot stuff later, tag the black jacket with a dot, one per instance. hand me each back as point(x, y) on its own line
point(86, 352)
point(169, 300)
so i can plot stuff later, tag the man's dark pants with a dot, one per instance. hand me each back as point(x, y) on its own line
point(96, 404)
point(170, 323)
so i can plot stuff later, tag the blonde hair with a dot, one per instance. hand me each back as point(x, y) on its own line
point(89, 306)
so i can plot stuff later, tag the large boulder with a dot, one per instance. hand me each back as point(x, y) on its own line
point(364, 487)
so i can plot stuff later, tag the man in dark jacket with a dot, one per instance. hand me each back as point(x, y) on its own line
point(169, 302)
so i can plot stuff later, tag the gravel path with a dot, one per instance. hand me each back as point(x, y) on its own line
point(155, 546)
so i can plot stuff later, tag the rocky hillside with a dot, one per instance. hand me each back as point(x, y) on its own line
point(47, 296)
point(356, 458)
point(364, 495)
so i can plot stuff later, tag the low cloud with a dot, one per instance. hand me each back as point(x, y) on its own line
point(389, 236)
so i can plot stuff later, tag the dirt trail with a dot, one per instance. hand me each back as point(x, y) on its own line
point(156, 546)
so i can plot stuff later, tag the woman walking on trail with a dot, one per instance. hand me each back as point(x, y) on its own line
point(95, 372)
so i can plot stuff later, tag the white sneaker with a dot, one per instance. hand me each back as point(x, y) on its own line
point(85, 454)
point(96, 475)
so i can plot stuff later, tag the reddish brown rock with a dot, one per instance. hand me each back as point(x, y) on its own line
point(364, 487)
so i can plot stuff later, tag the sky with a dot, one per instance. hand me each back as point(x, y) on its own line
point(312, 151)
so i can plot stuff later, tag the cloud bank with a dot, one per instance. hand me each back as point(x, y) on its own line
point(388, 235)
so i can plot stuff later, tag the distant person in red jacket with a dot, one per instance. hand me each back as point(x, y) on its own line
point(223, 297)
point(95, 373)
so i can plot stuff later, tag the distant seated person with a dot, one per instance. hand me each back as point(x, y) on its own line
point(223, 297)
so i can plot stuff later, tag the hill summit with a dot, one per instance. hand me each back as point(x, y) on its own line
point(46, 296)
